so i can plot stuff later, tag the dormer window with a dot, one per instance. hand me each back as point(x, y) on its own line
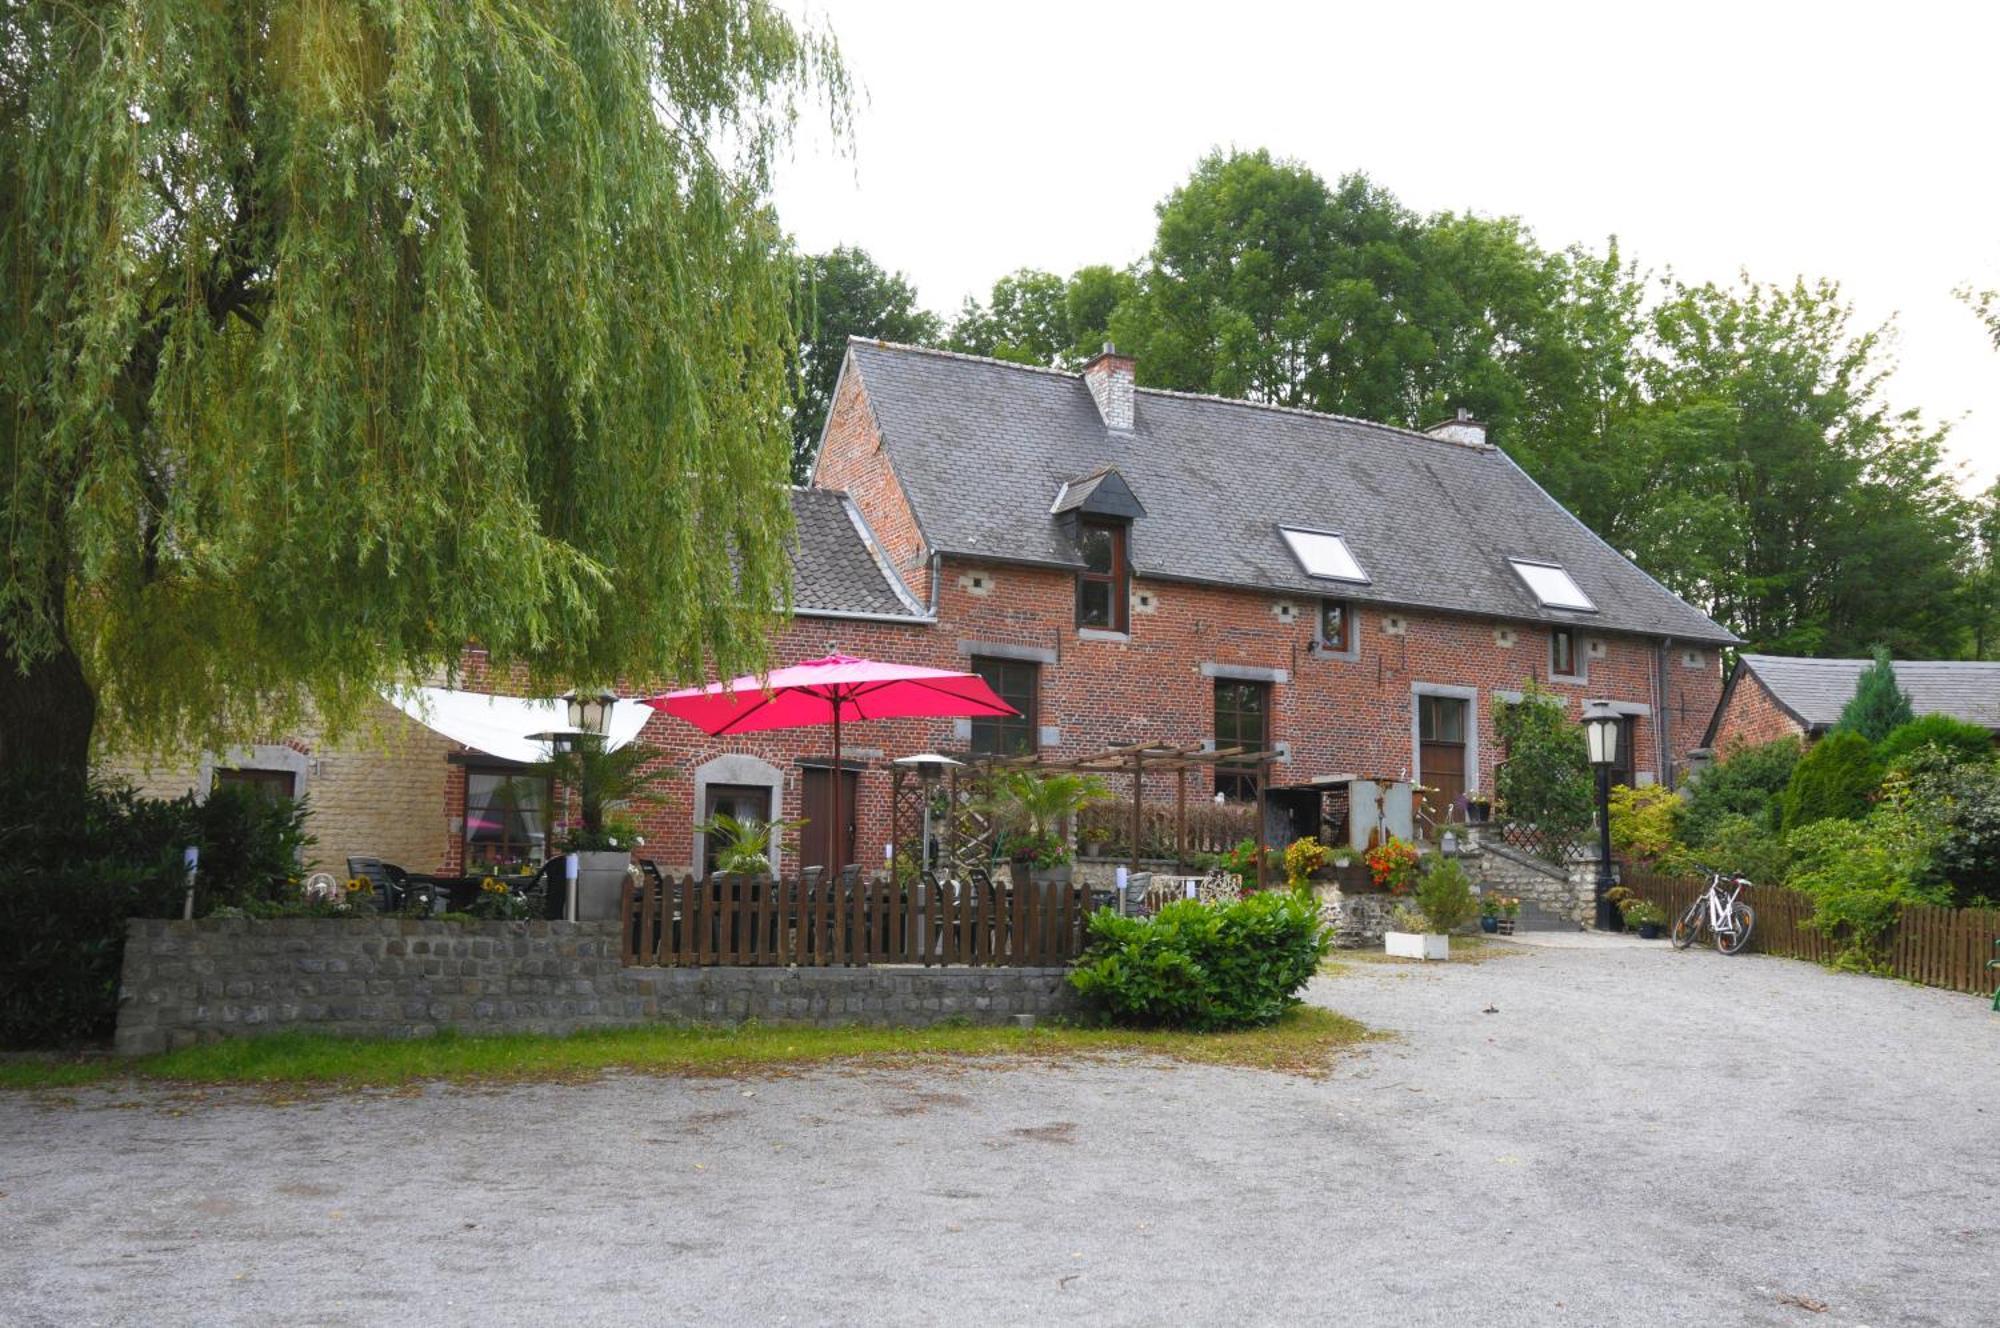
point(1103, 587)
point(1551, 586)
point(1323, 554)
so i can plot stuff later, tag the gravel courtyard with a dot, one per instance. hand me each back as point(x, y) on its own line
point(1633, 1137)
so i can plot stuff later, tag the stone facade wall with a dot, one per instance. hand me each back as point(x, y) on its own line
point(1751, 717)
point(188, 982)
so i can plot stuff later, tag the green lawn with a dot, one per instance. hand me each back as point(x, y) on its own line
point(1303, 1042)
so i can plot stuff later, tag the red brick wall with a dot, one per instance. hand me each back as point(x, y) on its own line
point(1752, 718)
point(851, 458)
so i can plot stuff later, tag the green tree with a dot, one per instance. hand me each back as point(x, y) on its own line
point(340, 335)
point(844, 293)
point(1879, 705)
point(1834, 781)
point(1545, 780)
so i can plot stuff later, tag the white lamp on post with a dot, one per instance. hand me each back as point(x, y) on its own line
point(590, 712)
point(1601, 730)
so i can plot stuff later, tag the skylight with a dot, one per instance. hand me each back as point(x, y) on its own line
point(1323, 555)
point(1552, 585)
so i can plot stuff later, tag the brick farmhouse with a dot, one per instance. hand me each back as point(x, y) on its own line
point(1123, 565)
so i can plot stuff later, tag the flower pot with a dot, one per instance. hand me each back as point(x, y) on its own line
point(1506, 926)
point(599, 878)
point(1489, 925)
point(1649, 931)
point(1053, 875)
point(1416, 945)
point(1478, 813)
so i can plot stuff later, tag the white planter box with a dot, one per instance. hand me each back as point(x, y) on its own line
point(1417, 944)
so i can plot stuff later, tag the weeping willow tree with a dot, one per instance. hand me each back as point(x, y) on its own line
point(341, 334)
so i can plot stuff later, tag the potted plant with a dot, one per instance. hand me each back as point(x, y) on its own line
point(1644, 915)
point(1478, 807)
point(605, 782)
point(1444, 904)
point(1489, 913)
point(744, 846)
point(1510, 913)
point(1393, 865)
point(1036, 811)
point(1303, 858)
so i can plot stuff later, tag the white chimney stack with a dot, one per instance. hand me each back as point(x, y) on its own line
point(1462, 429)
point(1111, 379)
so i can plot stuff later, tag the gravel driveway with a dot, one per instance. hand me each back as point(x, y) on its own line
point(1634, 1137)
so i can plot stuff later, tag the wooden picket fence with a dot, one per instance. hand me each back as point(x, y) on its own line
point(1938, 947)
point(759, 921)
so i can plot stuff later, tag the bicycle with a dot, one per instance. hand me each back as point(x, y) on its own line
point(1724, 915)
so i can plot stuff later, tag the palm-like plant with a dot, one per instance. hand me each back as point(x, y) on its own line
point(605, 781)
point(1037, 807)
point(746, 842)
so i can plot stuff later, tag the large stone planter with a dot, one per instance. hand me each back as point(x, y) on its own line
point(1416, 945)
point(600, 879)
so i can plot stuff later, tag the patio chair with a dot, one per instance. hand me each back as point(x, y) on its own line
point(392, 883)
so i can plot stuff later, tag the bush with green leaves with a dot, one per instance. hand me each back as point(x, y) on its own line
point(1879, 705)
point(1444, 895)
point(1835, 781)
point(1643, 822)
point(1957, 740)
point(83, 860)
point(1860, 874)
point(1740, 846)
point(1749, 782)
point(1545, 780)
point(1960, 800)
point(1203, 966)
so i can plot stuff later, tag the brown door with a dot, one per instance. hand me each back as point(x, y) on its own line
point(1441, 745)
point(819, 807)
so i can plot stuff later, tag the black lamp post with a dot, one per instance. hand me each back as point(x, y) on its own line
point(589, 712)
point(1601, 725)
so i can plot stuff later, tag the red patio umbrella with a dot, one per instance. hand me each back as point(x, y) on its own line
point(835, 690)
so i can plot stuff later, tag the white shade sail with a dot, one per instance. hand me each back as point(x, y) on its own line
point(502, 725)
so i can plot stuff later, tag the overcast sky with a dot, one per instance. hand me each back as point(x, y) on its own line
point(1780, 139)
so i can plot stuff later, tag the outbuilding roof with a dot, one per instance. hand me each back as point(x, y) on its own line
point(1815, 691)
point(979, 446)
point(837, 567)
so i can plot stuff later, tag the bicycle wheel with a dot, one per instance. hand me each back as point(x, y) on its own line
point(1745, 918)
point(1687, 930)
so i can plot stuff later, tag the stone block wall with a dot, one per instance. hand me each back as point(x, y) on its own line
point(189, 982)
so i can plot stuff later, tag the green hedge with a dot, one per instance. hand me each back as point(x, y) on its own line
point(81, 861)
point(1203, 966)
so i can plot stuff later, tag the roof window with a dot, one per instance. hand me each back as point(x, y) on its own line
point(1323, 554)
point(1551, 585)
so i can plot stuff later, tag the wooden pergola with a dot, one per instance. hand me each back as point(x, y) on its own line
point(1139, 759)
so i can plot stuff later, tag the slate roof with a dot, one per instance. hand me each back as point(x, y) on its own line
point(1816, 690)
point(981, 446)
point(836, 565)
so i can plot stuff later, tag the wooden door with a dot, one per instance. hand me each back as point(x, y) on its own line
point(1441, 748)
point(818, 807)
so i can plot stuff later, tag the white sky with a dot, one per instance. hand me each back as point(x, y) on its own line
point(1782, 139)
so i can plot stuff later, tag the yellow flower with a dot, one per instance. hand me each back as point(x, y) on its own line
point(356, 884)
point(493, 886)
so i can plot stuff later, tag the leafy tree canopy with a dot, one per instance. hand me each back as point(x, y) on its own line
point(340, 335)
point(844, 293)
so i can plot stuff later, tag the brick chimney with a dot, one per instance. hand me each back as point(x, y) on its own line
point(1110, 377)
point(1462, 429)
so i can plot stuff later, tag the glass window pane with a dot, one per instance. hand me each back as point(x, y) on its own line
point(1093, 600)
point(1015, 682)
point(1552, 586)
point(1333, 624)
point(1094, 543)
point(1562, 652)
point(1441, 719)
point(504, 819)
point(1324, 555)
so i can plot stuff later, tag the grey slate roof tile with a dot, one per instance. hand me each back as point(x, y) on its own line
point(836, 567)
point(1817, 690)
point(981, 447)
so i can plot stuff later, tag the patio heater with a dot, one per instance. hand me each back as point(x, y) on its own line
point(1600, 730)
point(930, 768)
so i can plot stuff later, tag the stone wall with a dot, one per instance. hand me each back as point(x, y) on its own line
point(188, 982)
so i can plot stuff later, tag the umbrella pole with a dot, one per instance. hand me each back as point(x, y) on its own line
point(833, 795)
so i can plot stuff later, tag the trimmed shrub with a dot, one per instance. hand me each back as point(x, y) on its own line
point(1879, 706)
point(1833, 782)
point(1203, 966)
point(1750, 783)
point(81, 861)
point(1445, 895)
point(1642, 821)
point(1959, 741)
point(1960, 801)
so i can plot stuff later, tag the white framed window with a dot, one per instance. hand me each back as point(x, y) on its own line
point(1323, 554)
point(1551, 586)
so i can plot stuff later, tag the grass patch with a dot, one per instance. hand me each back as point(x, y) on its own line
point(1302, 1042)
